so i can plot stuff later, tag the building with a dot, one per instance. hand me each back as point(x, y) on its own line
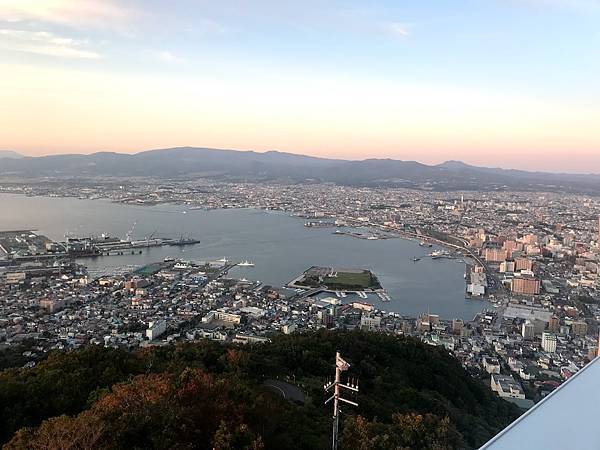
point(579, 328)
point(478, 283)
point(363, 306)
point(554, 324)
point(506, 386)
point(528, 331)
point(476, 290)
point(526, 312)
point(15, 277)
point(370, 323)
point(457, 326)
point(491, 365)
point(155, 329)
point(507, 266)
point(544, 425)
point(495, 255)
point(52, 305)
point(326, 319)
point(526, 286)
point(530, 239)
point(289, 328)
point(249, 339)
point(549, 342)
point(221, 316)
point(523, 264)
point(427, 322)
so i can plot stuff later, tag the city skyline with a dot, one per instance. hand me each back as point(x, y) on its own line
point(497, 83)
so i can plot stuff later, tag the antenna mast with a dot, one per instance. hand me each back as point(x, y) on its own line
point(352, 385)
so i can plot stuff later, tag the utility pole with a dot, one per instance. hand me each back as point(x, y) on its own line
point(352, 385)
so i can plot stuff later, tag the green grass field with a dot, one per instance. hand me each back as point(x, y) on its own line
point(347, 280)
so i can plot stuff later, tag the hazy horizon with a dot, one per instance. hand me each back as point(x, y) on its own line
point(496, 83)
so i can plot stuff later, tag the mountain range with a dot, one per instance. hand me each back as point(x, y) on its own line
point(230, 165)
point(10, 154)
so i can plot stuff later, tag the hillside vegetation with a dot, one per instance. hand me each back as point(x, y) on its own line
point(207, 395)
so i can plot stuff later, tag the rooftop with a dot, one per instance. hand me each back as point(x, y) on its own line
point(565, 419)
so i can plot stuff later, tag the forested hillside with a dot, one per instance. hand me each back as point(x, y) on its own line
point(208, 395)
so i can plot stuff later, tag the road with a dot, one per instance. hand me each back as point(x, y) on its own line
point(286, 390)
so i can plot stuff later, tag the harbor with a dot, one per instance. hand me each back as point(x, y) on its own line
point(279, 245)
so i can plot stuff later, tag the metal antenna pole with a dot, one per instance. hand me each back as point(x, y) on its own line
point(340, 366)
point(336, 402)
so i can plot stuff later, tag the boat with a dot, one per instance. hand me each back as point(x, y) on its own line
point(440, 254)
point(415, 259)
point(183, 242)
point(246, 263)
point(425, 244)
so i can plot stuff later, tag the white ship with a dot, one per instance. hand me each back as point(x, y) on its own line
point(246, 263)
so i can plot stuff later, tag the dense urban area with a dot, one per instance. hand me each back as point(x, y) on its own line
point(534, 256)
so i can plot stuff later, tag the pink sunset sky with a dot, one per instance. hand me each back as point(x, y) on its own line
point(506, 83)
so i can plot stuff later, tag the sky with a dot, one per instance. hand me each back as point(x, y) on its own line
point(503, 83)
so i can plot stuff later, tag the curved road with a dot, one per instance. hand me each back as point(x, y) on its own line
point(286, 390)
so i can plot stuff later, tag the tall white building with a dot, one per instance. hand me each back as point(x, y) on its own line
point(155, 329)
point(549, 342)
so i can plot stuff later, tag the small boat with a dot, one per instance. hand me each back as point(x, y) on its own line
point(415, 259)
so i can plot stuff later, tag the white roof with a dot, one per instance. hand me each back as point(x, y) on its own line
point(566, 419)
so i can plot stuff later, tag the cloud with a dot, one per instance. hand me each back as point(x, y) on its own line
point(44, 43)
point(76, 13)
point(167, 56)
point(397, 29)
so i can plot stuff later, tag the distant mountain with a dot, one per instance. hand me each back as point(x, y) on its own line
point(10, 154)
point(188, 162)
point(175, 162)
